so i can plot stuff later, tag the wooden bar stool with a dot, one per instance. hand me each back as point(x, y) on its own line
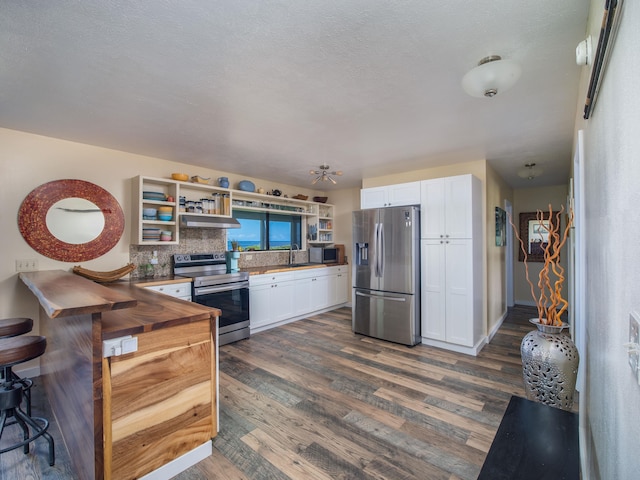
point(14, 351)
point(12, 327)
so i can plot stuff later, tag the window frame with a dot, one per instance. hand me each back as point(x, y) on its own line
point(297, 225)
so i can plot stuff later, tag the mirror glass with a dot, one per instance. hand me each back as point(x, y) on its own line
point(75, 220)
point(71, 220)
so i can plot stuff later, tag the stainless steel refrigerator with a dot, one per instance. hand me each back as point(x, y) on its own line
point(386, 274)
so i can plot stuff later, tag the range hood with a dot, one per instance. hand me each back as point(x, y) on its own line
point(197, 221)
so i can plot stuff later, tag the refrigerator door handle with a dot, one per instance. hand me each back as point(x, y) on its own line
point(381, 250)
point(376, 246)
point(393, 299)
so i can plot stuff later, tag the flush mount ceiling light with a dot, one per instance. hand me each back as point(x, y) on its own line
point(324, 175)
point(493, 75)
point(530, 171)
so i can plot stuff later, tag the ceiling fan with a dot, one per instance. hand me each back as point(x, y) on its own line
point(324, 174)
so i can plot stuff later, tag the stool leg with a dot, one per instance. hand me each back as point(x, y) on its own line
point(40, 430)
point(25, 429)
point(3, 420)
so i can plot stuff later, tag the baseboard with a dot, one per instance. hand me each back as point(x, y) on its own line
point(456, 348)
point(496, 327)
point(181, 463)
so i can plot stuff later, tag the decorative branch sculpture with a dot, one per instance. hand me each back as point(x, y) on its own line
point(551, 305)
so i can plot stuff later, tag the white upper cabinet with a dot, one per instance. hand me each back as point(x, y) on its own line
point(390, 195)
point(450, 207)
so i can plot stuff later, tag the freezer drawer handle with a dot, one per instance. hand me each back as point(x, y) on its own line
point(395, 299)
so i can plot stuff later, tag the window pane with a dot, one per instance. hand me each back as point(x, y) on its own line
point(279, 232)
point(265, 231)
point(251, 234)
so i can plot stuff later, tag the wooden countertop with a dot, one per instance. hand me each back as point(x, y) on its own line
point(126, 309)
point(153, 282)
point(62, 294)
point(149, 282)
point(153, 311)
point(286, 268)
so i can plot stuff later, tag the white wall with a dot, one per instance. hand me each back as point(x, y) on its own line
point(612, 179)
point(496, 290)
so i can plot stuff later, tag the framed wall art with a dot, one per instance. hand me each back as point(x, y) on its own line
point(608, 30)
point(501, 227)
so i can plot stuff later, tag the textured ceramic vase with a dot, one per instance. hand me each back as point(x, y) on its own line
point(549, 366)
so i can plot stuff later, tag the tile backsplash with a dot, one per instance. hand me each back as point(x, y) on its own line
point(200, 240)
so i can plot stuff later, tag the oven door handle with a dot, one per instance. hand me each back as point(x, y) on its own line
point(221, 288)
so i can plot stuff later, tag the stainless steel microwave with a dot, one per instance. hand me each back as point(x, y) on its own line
point(323, 255)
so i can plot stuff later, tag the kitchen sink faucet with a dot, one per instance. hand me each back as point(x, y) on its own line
point(291, 252)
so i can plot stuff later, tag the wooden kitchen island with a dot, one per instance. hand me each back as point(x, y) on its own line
point(128, 415)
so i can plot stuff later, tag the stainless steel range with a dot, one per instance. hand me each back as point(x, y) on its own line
point(214, 287)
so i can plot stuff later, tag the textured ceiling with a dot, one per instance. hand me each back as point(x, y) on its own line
point(274, 88)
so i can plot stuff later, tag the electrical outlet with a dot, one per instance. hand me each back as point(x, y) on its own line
point(119, 346)
point(248, 257)
point(27, 265)
point(634, 347)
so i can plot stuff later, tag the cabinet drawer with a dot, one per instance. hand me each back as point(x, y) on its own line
point(173, 289)
point(270, 278)
point(339, 269)
point(312, 273)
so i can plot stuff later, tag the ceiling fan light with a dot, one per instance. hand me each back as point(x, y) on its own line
point(530, 171)
point(324, 175)
point(492, 76)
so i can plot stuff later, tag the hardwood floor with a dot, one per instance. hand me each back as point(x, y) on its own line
point(313, 400)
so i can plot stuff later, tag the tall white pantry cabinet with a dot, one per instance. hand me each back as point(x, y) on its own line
point(451, 273)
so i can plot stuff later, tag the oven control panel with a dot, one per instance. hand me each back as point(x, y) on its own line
point(200, 258)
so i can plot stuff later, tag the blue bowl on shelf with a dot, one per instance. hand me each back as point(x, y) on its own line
point(246, 186)
point(165, 217)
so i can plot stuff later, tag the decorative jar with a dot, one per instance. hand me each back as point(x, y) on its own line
point(549, 365)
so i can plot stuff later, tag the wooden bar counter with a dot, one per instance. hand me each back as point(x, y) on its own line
point(124, 416)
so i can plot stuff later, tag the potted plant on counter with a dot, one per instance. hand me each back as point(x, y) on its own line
point(549, 357)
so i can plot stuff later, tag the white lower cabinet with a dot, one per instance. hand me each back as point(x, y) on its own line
point(178, 290)
point(312, 290)
point(276, 298)
point(340, 291)
point(271, 298)
point(451, 305)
